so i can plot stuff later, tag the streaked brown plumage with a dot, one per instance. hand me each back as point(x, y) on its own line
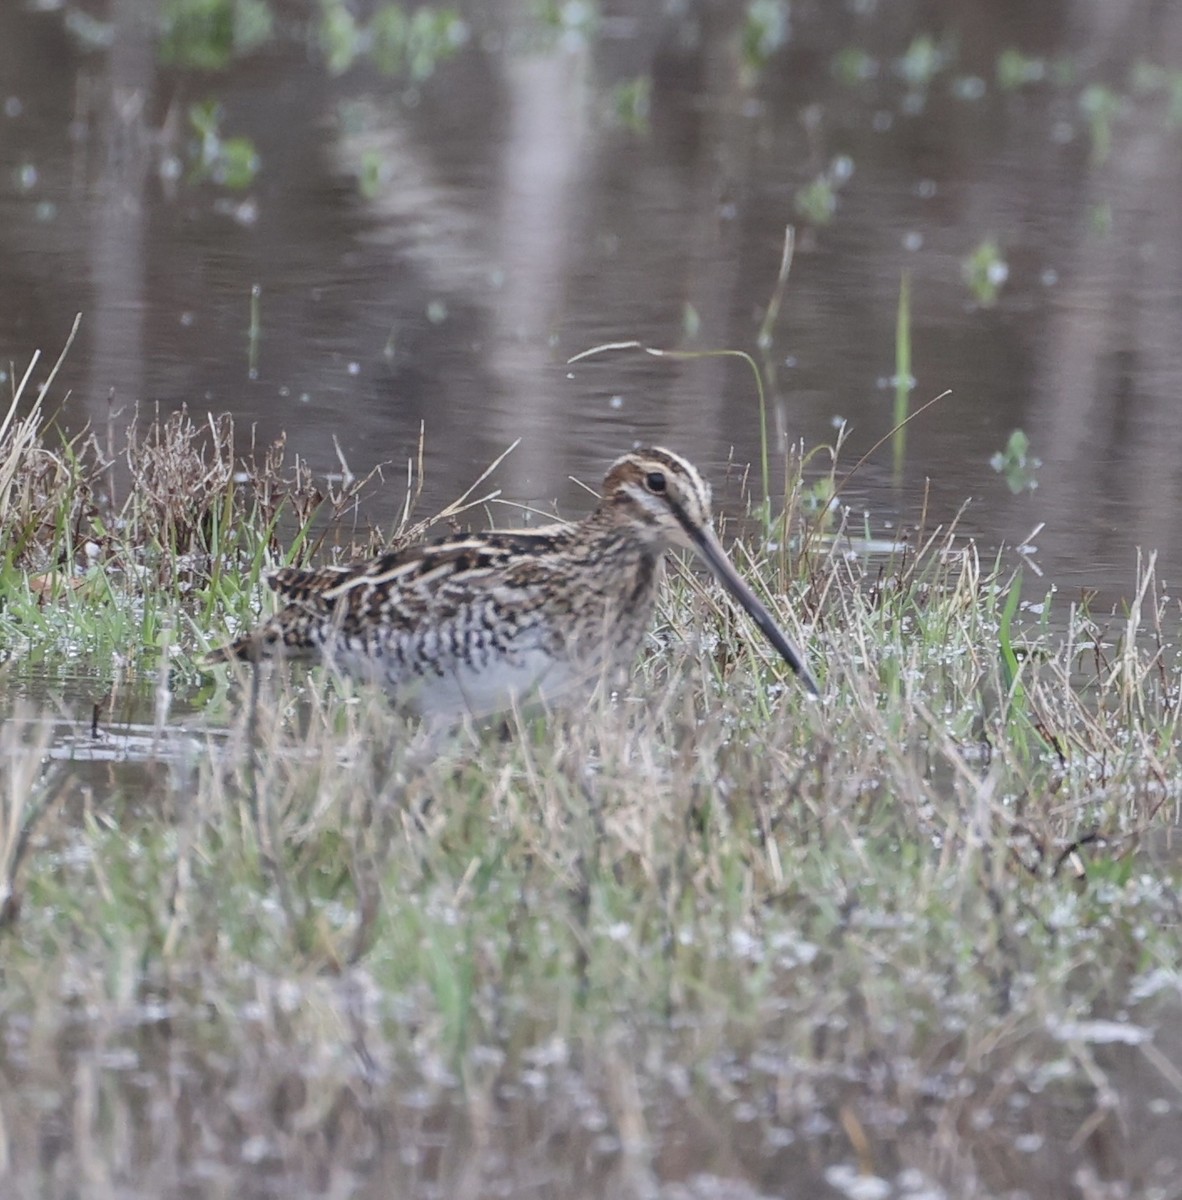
point(475, 623)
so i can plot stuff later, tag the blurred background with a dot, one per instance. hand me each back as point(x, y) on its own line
point(434, 208)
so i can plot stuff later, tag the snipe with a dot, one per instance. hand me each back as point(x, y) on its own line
point(473, 623)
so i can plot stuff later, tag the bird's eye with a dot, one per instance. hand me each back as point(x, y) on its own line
point(655, 481)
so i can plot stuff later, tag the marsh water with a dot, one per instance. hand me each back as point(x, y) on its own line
point(429, 252)
point(350, 256)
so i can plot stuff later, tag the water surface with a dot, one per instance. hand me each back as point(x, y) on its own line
point(430, 253)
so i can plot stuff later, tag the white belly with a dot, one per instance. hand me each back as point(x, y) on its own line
point(460, 690)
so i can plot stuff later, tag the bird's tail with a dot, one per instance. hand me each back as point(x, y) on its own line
point(248, 648)
point(291, 633)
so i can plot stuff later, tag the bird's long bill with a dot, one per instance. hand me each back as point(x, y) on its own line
point(708, 546)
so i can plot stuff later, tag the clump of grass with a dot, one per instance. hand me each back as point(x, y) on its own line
point(106, 545)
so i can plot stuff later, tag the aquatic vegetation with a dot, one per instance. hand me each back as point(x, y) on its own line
point(374, 174)
point(571, 22)
point(924, 59)
point(1101, 106)
point(209, 34)
point(985, 271)
point(1017, 70)
point(816, 201)
point(1155, 82)
point(853, 65)
point(631, 101)
point(231, 162)
point(904, 381)
point(1017, 464)
point(1100, 218)
point(766, 28)
point(416, 43)
point(395, 40)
